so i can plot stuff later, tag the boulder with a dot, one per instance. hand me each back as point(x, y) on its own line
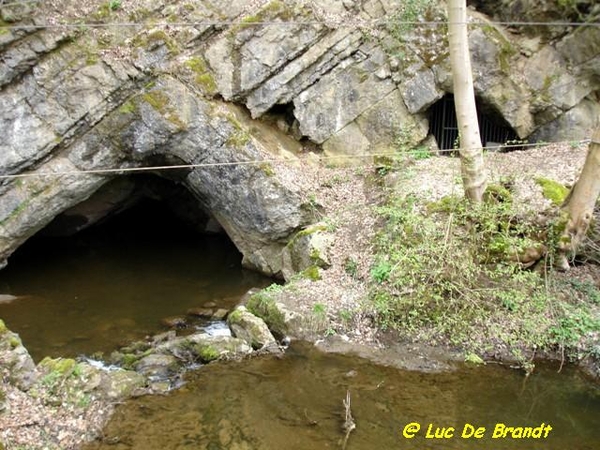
point(203, 347)
point(174, 322)
point(119, 385)
point(16, 361)
point(250, 328)
point(157, 366)
point(308, 248)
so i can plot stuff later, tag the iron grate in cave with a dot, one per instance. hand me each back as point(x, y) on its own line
point(493, 129)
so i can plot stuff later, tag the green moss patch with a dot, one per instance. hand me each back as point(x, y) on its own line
point(128, 108)
point(154, 38)
point(272, 10)
point(161, 102)
point(206, 353)
point(553, 190)
point(263, 305)
point(312, 273)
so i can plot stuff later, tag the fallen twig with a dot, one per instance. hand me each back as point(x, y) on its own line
point(349, 424)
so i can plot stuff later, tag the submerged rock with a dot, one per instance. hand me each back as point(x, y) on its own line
point(207, 313)
point(157, 366)
point(174, 322)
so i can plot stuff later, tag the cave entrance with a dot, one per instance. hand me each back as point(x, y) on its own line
point(493, 129)
point(154, 257)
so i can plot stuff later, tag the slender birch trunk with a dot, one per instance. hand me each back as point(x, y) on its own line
point(582, 198)
point(471, 152)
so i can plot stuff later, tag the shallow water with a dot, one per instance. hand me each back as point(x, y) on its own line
point(108, 286)
point(296, 403)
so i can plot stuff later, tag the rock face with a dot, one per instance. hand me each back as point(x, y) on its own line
point(81, 110)
point(16, 360)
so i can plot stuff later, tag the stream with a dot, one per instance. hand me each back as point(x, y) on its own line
point(296, 403)
point(106, 287)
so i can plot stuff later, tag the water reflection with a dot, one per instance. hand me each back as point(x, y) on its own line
point(108, 286)
point(296, 403)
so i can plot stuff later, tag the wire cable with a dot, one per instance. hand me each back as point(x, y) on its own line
point(24, 2)
point(344, 24)
point(124, 170)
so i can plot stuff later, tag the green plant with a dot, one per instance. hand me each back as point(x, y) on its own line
point(552, 190)
point(84, 401)
point(574, 325)
point(351, 266)
point(114, 5)
point(473, 358)
point(312, 273)
point(207, 353)
point(381, 271)
point(346, 315)
point(319, 309)
point(587, 288)
point(404, 20)
point(421, 152)
point(447, 271)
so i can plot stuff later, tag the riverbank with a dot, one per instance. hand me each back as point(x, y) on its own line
point(409, 262)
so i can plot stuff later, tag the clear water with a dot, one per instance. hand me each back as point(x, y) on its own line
point(110, 285)
point(296, 403)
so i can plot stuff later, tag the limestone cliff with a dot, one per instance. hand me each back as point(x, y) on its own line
point(219, 88)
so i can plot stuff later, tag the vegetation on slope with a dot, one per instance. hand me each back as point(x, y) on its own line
point(449, 273)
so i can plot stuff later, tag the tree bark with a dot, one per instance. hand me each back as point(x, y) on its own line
point(471, 152)
point(582, 199)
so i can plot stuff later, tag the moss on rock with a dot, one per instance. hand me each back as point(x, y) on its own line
point(264, 306)
point(553, 190)
point(203, 78)
point(61, 366)
point(312, 273)
point(206, 352)
point(161, 102)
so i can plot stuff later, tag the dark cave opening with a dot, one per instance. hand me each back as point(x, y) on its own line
point(79, 291)
point(495, 132)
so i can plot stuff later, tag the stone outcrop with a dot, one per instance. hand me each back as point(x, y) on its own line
point(81, 109)
point(15, 359)
point(251, 329)
point(307, 250)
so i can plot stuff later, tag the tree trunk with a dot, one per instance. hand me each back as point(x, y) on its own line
point(582, 199)
point(471, 152)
